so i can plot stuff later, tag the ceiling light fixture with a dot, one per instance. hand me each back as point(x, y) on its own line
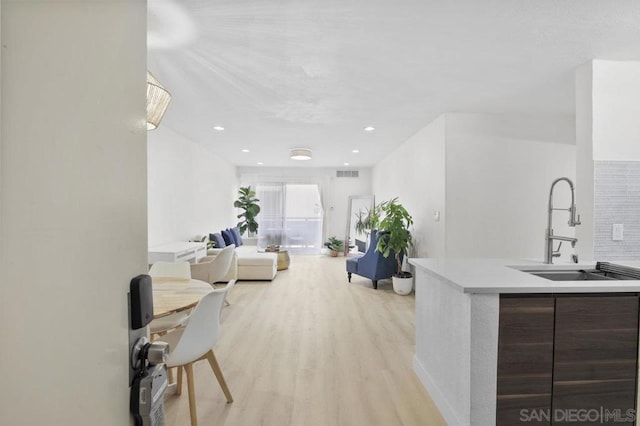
point(355, 151)
point(260, 163)
point(158, 99)
point(346, 164)
point(369, 129)
point(218, 128)
point(300, 154)
point(245, 150)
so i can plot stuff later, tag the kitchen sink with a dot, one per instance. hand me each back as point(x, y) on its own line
point(603, 271)
point(573, 275)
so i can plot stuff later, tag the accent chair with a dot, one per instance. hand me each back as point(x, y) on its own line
point(373, 264)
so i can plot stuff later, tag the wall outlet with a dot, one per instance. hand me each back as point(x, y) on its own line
point(436, 216)
point(618, 232)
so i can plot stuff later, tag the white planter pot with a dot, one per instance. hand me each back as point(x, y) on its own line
point(402, 286)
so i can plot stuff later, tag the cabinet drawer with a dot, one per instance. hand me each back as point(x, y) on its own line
point(525, 357)
point(595, 353)
point(510, 409)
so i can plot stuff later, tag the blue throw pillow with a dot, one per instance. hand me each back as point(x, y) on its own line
point(228, 237)
point(218, 241)
point(237, 236)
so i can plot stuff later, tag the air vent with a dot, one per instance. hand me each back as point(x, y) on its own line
point(347, 173)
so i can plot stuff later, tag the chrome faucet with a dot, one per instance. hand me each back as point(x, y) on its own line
point(549, 253)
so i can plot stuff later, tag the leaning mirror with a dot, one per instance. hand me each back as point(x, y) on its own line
point(357, 236)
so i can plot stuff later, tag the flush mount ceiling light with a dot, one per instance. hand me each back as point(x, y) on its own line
point(218, 128)
point(158, 99)
point(355, 151)
point(300, 154)
point(369, 129)
point(245, 150)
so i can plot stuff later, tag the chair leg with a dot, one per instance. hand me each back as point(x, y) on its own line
point(170, 375)
point(179, 382)
point(349, 276)
point(218, 372)
point(375, 284)
point(192, 394)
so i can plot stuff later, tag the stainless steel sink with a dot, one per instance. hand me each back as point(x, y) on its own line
point(603, 271)
point(577, 275)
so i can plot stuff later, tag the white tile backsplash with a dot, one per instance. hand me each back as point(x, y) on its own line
point(616, 201)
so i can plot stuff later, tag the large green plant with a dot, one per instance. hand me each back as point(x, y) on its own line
point(395, 236)
point(248, 202)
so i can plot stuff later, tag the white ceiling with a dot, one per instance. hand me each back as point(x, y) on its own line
point(313, 73)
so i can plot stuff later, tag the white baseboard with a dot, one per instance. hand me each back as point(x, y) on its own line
point(450, 415)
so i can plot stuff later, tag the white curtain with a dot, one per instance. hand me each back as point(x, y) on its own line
point(303, 218)
point(291, 216)
point(271, 217)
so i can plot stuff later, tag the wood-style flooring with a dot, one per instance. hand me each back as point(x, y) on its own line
point(309, 348)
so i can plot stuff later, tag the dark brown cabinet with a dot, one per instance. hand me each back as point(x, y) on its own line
point(525, 357)
point(567, 359)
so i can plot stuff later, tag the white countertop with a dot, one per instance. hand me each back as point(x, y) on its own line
point(507, 276)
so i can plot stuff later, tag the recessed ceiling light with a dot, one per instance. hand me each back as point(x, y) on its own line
point(300, 154)
point(218, 128)
point(369, 129)
point(245, 150)
point(346, 164)
point(260, 163)
point(355, 151)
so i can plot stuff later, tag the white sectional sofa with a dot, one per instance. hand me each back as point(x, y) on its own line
point(249, 264)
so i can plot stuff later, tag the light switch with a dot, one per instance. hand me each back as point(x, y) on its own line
point(618, 232)
point(436, 216)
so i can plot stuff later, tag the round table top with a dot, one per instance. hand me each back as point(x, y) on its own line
point(174, 295)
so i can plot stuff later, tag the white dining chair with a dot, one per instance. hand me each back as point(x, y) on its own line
point(178, 271)
point(195, 342)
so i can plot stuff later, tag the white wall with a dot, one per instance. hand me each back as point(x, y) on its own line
point(415, 172)
point(488, 176)
point(584, 159)
point(191, 189)
point(336, 190)
point(607, 101)
point(616, 108)
point(73, 220)
point(499, 171)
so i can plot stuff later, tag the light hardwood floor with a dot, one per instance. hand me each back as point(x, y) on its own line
point(310, 349)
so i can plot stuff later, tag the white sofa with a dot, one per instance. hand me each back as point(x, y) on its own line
point(249, 264)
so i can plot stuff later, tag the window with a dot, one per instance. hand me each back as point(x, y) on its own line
point(291, 215)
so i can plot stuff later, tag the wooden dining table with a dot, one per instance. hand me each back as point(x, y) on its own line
point(172, 295)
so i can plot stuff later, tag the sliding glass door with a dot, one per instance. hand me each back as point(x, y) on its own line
point(290, 216)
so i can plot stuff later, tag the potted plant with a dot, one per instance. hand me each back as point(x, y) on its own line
point(395, 237)
point(334, 245)
point(248, 202)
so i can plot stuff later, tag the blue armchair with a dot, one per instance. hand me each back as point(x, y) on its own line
point(373, 264)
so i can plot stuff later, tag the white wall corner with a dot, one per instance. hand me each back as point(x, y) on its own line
point(584, 160)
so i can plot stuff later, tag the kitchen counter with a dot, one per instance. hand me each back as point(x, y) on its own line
point(458, 306)
point(492, 276)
